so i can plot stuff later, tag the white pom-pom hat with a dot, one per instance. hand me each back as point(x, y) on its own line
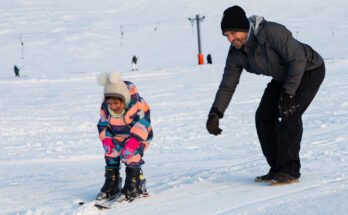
point(114, 86)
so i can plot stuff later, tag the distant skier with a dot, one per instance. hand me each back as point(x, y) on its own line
point(134, 63)
point(268, 48)
point(209, 60)
point(16, 70)
point(125, 132)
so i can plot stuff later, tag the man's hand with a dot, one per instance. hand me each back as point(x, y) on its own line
point(213, 124)
point(287, 105)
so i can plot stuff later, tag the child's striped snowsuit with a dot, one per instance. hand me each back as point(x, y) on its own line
point(134, 123)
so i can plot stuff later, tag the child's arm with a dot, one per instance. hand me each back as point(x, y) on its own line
point(140, 132)
point(141, 125)
point(140, 111)
point(103, 123)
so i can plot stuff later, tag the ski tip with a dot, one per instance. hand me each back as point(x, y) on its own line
point(81, 203)
point(100, 207)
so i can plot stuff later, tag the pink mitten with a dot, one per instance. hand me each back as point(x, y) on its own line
point(108, 145)
point(129, 148)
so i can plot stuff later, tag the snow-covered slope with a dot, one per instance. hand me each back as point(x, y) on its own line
point(51, 158)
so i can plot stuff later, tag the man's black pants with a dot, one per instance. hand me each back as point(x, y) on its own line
point(280, 138)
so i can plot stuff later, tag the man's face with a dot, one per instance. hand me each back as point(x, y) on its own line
point(236, 38)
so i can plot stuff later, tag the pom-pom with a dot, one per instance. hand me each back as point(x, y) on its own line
point(114, 77)
point(102, 78)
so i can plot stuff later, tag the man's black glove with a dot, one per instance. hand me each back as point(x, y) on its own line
point(213, 124)
point(287, 105)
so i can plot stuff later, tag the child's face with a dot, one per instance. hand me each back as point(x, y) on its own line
point(115, 104)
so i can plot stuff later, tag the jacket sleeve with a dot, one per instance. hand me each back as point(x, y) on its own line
point(292, 52)
point(230, 80)
point(141, 124)
point(139, 113)
point(103, 123)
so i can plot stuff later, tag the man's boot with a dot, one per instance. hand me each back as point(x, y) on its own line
point(266, 178)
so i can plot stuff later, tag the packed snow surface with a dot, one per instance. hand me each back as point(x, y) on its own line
point(51, 157)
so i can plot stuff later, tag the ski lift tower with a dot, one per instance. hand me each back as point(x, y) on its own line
point(198, 20)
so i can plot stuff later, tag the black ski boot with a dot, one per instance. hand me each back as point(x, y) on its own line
point(112, 185)
point(134, 185)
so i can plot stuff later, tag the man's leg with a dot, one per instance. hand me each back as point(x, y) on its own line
point(288, 147)
point(267, 122)
point(291, 129)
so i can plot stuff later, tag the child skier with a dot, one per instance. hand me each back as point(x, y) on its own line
point(125, 131)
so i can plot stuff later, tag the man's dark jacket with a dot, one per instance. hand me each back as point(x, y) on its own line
point(269, 50)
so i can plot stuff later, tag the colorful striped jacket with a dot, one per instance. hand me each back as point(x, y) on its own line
point(135, 122)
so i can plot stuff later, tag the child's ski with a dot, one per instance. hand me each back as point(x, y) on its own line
point(114, 201)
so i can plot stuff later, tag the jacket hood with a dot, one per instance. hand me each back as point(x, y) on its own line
point(255, 23)
point(256, 26)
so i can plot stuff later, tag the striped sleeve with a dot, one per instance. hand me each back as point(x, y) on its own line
point(141, 125)
point(103, 124)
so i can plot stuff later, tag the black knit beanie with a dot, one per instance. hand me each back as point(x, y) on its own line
point(234, 19)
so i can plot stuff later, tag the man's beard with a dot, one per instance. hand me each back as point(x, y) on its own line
point(238, 43)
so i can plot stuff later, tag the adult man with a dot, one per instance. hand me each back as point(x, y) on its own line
point(268, 48)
